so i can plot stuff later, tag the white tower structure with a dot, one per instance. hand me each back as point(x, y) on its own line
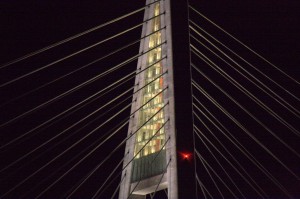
point(150, 154)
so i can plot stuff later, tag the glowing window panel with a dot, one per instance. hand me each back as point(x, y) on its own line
point(152, 127)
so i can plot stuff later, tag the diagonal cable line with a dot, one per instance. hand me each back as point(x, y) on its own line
point(108, 178)
point(81, 68)
point(107, 157)
point(138, 130)
point(241, 58)
point(70, 91)
point(244, 129)
point(76, 187)
point(153, 158)
point(241, 148)
point(75, 36)
point(210, 131)
point(80, 85)
point(64, 131)
point(107, 185)
point(203, 188)
point(198, 132)
point(97, 168)
point(211, 177)
point(86, 117)
point(20, 183)
point(114, 85)
point(165, 171)
point(79, 154)
point(77, 52)
point(285, 105)
point(277, 68)
point(79, 129)
point(245, 91)
point(126, 167)
point(118, 187)
point(193, 119)
point(211, 168)
point(73, 145)
point(247, 111)
point(72, 109)
point(75, 165)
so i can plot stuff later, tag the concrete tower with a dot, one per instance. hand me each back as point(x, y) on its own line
point(150, 154)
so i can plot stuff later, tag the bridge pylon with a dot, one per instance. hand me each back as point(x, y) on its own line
point(150, 155)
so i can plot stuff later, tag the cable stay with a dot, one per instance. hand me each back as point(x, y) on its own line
point(247, 111)
point(120, 172)
point(241, 58)
point(78, 122)
point(165, 171)
point(211, 177)
point(111, 87)
point(134, 157)
point(109, 177)
point(118, 187)
point(107, 186)
point(81, 68)
point(73, 109)
point(69, 91)
point(141, 151)
point(294, 111)
point(65, 130)
point(87, 135)
point(76, 156)
point(75, 165)
point(244, 129)
point(247, 47)
point(77, 52)
point(66, 93)
point(78, 129)
point(198, 132)
point(216, 174)
point(107, 157)
point(203, 188)
point(72, 146)
point(76, 36)
point(244, 90)
point(240, 147)
point(131, 134)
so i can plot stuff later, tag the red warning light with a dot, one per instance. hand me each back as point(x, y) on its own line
point(185, 156)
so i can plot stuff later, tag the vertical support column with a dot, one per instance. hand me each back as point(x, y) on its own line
point(183, 98)
point(132, 184)
point(179, 178)
point(171, 147)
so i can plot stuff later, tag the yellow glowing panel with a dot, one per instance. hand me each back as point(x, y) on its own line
point(152, 127)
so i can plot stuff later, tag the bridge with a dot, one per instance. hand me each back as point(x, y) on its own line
point(67, 95)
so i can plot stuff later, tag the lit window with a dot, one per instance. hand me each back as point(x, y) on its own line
point(151, 108)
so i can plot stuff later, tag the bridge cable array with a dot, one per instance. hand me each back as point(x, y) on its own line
point(236, 136)
point(89, 123)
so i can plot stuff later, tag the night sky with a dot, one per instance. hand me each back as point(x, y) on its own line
point(271, 28)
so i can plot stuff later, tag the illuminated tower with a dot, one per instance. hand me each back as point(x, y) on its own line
point(150, 154)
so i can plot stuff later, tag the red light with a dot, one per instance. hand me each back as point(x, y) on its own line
point(185, 156)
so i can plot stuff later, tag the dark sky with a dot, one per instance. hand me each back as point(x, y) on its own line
point(271, 28)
